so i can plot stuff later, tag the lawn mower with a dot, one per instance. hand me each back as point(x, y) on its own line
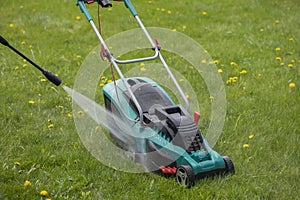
point(167, 139)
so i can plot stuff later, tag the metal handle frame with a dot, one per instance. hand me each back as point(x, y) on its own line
point(115, 62)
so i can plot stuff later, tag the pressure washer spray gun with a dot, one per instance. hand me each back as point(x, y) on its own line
point(50, 76)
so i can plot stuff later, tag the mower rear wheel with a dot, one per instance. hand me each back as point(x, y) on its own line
point(185, 176)
point(229, 165)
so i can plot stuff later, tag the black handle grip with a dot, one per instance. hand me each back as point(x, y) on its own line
point(51, 77)
point(3, 41)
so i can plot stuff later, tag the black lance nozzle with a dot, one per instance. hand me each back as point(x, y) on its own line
point(50, 76)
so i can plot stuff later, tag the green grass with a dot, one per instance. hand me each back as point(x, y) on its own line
point(260, 102)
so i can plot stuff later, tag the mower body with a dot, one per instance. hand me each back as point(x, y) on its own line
point(168, 140)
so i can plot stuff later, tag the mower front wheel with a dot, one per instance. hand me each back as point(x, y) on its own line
point(185, 176)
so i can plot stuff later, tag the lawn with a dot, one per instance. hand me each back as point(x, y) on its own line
point(255, 45)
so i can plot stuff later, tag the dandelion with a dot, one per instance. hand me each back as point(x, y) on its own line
point(246, 145)
point(109, 9)
point(211, 98)
point(290, 65)
point(233, 64)
point(278, 58)
point(48, 198)
point(216, 62)
point(187, 96)
point(43, 193)
point(61, 107)
point(25, 65)
point(69, 115)
point(23, 43)
point(11, 25)
point(30, 46)
point(174, 30)
point(292, 85)
point(101, 84)
point(184, 27)
point(276, 21)
point(142, 64)
point(78, 18)
point(50, 125)
point(220, 70)
point(259, 75)
point(27, 183)
point(261, 30)
point(243, 72)
point(282, 64)
point(16, 163)
point(293, 61)
point(204, 13)
point(143, 69)
point(163, 10)
point(169, 12)
point(80, 112)
point(109, 81)
point(291, 39)
point(277, 49)
point(31, 102)
point(78, 56)
point(251, 136)
point(158, 9)
point(203, 61)
point(17, 67)
point(43, 80)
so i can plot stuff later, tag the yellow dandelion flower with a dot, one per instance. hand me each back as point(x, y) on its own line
point(50, 125)
point(292, 85)
point(261, 30)
point(142, 64)
point(278, 58)
point(43, 80)
point(109, 81)
point(48, 198)
point(187, 96)
point(158, 9)
point(204, 13)
point(203, 61)
point(191, 67)
point(23, 43)
point(25, 65)
point(109, 9)
point(277, 21)
point(251, 136)
point(184, 26)
point(143, 69)
point(277, 49)
point(149, 1)
point(259, 75)
point(220, 70)
point(233, 64)
point(11, 25)
point(169, 12)
point(27, 183)
point(282, 64)
point(78, 56)
point(246, 145)
point(243, 72)
point(61, 107)
point(31, 102)
point(17, 67)
point(101, 84)
point(290, 65)
point(211, 98)
point(216, 62)
point(16, 163)
point(30, 46)
point(174, 30)
point(43, 193)
point(163, 10)
point(69, 115)
point(291, 39)
point(293, 61)
point(78, 18)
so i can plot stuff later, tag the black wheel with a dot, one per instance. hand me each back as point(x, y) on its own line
point(185, 176)
point(229, 165)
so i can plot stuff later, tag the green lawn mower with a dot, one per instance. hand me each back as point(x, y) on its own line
point(166, 138)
